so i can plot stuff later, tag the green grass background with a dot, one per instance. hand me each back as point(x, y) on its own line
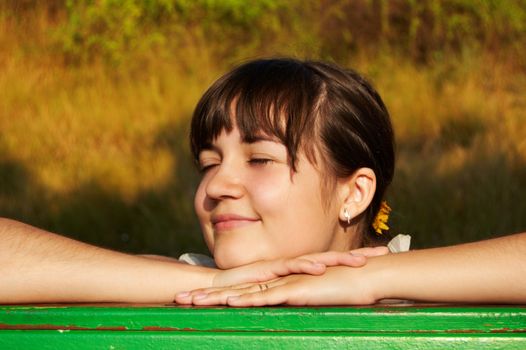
point(96, 98)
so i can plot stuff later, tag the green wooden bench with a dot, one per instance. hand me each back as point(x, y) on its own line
point(173, 327)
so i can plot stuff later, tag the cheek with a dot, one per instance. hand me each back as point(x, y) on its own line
point(278, 192)
point(268, 191)
point(295, 220)
point(199, 200)
point(203, 215)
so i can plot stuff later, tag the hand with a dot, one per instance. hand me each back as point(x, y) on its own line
point(313, 264)
point(339, 285)
point(371, 251)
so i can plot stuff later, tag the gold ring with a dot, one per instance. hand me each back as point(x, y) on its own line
point(262, 287)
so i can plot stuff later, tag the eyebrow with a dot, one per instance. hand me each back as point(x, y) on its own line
point(260, 138)
point(246, 140)
point(208, 147)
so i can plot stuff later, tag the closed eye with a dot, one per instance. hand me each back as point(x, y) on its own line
point(204, 168)
point(260, 161)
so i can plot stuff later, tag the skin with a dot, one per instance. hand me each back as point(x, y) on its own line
point(253, 207)
point(491, 271)
point(260, 220)
point(37, 266)
point(255, 233)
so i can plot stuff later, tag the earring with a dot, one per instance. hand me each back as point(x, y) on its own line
point(347, 215)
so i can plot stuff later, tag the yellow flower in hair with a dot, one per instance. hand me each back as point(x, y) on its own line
point(380, 221)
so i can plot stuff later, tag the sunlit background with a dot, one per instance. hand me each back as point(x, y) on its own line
point(96, 98)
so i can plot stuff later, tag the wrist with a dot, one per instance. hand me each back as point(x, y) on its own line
point(200, 276)
point(363, 285)
point(381, 279)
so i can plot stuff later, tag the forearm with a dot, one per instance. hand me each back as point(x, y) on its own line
point(38, 266)
point(486, 271)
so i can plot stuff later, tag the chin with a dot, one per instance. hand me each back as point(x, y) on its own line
point(228, 259)
point(224, 261)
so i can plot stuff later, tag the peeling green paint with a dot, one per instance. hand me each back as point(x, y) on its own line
point(130, 340)
point(168, 326)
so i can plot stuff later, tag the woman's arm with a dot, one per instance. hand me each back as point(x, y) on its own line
point(484, 272)
point(491, 271)
point(39, 266)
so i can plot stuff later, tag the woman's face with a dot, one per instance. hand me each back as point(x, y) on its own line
point(252, 206)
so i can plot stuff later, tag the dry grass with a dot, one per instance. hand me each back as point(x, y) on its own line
point(461, 127)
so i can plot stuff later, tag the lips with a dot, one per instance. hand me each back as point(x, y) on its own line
point(225, 222)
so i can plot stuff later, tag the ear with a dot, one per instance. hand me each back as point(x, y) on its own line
point(357, 192)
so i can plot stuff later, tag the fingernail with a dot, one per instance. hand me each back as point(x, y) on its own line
point(317, 264)
point(182, 294)
point(200, 296)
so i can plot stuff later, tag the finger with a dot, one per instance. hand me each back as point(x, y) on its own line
point(271, 296)
point(188, 296)
point(284, 267)
point(300, 265)
point(183, 298)
point(371, 251)
point(337, 258)
point(220, 297)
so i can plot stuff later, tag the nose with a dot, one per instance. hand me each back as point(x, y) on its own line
point(225, 182)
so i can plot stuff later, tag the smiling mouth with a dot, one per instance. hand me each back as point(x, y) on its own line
point(230, 222)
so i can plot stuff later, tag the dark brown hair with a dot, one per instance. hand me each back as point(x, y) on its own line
point(309, 106)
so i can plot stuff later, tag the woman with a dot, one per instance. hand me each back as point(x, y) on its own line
point(296, 157)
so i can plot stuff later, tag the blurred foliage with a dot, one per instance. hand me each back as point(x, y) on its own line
point(97, 95)
point(421, 29)
point(111, 29)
